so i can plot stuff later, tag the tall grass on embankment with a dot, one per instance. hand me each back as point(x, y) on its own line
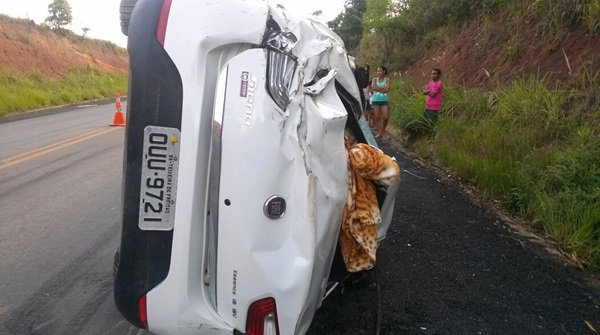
point(20, 92)
point(533, 145)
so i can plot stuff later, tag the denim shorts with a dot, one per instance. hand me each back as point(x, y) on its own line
point(380, 103)
point(430, 115)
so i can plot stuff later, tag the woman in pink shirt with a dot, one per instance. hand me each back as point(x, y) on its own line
point(433, 91)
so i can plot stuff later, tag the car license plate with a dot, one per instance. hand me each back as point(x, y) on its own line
point(160, 163)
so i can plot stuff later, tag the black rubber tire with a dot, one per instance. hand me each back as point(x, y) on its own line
point(116, 263)
point(125, 11)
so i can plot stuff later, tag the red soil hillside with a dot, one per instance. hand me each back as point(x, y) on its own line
point(481, 54)
point(27, 47)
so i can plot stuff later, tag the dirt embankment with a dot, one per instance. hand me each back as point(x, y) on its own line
point(494, 52)
point(27, 47)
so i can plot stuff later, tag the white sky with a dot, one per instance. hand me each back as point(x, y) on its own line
point(102, 16)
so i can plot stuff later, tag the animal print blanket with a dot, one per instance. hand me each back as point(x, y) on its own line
point(367, 166)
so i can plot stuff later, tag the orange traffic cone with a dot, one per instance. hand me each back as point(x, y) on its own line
point(119, 119)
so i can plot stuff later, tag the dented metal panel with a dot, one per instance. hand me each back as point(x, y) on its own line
point(289, 148)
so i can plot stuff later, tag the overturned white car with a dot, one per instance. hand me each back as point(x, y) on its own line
point(235, 169)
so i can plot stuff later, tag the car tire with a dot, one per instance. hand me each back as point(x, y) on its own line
point(125, 11)
point(116, 263)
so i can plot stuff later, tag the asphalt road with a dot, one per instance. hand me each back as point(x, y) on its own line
point(448, 266)
point(60, 180)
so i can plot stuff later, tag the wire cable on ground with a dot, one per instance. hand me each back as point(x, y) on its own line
point(378, 308)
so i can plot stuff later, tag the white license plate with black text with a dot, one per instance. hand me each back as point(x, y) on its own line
point(160, 163)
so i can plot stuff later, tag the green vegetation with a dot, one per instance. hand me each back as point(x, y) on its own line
point(531, 144)
point(20, 91)
point(23, 91)
point(348, 24)
point(535, 148)
point(398, 32)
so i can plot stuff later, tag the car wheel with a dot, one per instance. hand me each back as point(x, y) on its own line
point(125, 14)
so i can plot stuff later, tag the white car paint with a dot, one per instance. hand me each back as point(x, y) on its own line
point(296, 153)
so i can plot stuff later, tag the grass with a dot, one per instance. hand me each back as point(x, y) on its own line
point(23, 91)
point(534, 145)
point(591, 16)
point(20, 92)
point(25, 39)
point(513, 49)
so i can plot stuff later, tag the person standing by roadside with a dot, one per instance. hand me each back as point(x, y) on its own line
point(381, 86)
point(433, 91)
point(368, 99)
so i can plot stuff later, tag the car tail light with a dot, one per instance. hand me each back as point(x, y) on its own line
point(262, 318)
point(143, 311)
point(161, 29)
point(281, 62)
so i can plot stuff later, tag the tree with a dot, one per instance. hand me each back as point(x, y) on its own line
point(349, 24)
point(60, 14)
point(377, 15)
